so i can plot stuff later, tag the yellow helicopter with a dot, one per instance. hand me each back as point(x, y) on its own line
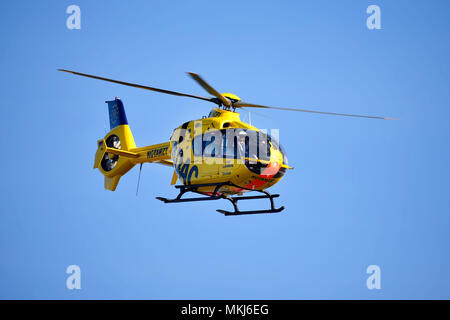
point(218, 156)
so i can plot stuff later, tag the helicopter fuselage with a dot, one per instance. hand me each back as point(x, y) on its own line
point(221, 148)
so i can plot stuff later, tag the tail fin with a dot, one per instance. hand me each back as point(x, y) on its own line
point(113, 165)
point(117, 114)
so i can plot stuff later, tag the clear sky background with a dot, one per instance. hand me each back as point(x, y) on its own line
point(363, 191)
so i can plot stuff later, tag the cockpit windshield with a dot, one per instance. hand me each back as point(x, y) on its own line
point(277, 145)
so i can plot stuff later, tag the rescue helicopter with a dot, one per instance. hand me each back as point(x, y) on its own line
point(216, 157)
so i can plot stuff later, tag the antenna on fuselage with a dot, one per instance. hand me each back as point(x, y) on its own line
point(139, 179)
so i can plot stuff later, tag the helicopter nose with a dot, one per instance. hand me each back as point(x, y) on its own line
point(265, 176)
point(271, 170)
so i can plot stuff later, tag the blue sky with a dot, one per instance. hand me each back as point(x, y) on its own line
point(363, 191)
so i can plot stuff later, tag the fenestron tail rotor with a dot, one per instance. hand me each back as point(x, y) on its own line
point(109, 161)
point(224, 100)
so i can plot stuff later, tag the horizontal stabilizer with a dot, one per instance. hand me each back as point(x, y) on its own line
point(122, 153)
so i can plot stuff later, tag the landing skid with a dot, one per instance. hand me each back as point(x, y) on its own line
point(215, 196)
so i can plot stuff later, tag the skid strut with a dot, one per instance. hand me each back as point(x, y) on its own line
point(216, 196)
point(266, 195)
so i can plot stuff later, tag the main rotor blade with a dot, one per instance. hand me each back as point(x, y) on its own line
point(139, 86)
point(241, 104)
point(210, 89)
